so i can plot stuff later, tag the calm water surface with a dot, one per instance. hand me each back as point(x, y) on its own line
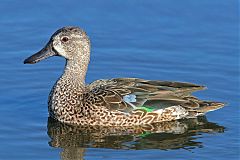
point(193, 41)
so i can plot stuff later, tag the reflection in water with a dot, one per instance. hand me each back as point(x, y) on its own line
point(167, 135)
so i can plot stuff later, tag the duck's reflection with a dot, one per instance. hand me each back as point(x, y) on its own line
point(167, 135)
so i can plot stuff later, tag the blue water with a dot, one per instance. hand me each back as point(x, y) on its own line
point(192, 41)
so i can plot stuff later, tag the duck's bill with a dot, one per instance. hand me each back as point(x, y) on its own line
point(42, 54)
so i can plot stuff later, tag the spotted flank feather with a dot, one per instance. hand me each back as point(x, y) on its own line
point(113, 102)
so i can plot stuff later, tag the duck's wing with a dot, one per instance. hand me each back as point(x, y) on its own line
point(127, 94)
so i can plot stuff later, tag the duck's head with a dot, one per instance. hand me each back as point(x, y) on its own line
point(68, 42)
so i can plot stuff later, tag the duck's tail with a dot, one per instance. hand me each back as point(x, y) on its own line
point(203, 107)
point(192, 109)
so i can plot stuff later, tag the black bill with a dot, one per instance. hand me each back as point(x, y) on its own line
point(46, 52)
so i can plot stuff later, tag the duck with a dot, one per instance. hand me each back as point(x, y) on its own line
point(116, 101)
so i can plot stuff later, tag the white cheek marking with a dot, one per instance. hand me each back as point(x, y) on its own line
point(59, 49)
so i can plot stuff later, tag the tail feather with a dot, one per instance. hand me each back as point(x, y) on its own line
point(204, 107)
point(207, 106)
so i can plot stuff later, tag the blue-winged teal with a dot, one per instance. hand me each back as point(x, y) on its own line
point(112, 102)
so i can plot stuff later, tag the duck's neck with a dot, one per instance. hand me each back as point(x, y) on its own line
point(75, 71)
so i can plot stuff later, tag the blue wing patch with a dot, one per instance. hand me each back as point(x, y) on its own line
point(130, 98)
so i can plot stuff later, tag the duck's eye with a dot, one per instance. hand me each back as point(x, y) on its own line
point(64, 39)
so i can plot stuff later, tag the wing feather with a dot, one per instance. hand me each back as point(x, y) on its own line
point(160, 94)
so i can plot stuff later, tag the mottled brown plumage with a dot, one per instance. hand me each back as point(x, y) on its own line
point(113, 102)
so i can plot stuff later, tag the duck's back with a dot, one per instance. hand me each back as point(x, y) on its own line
point(145, 101)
